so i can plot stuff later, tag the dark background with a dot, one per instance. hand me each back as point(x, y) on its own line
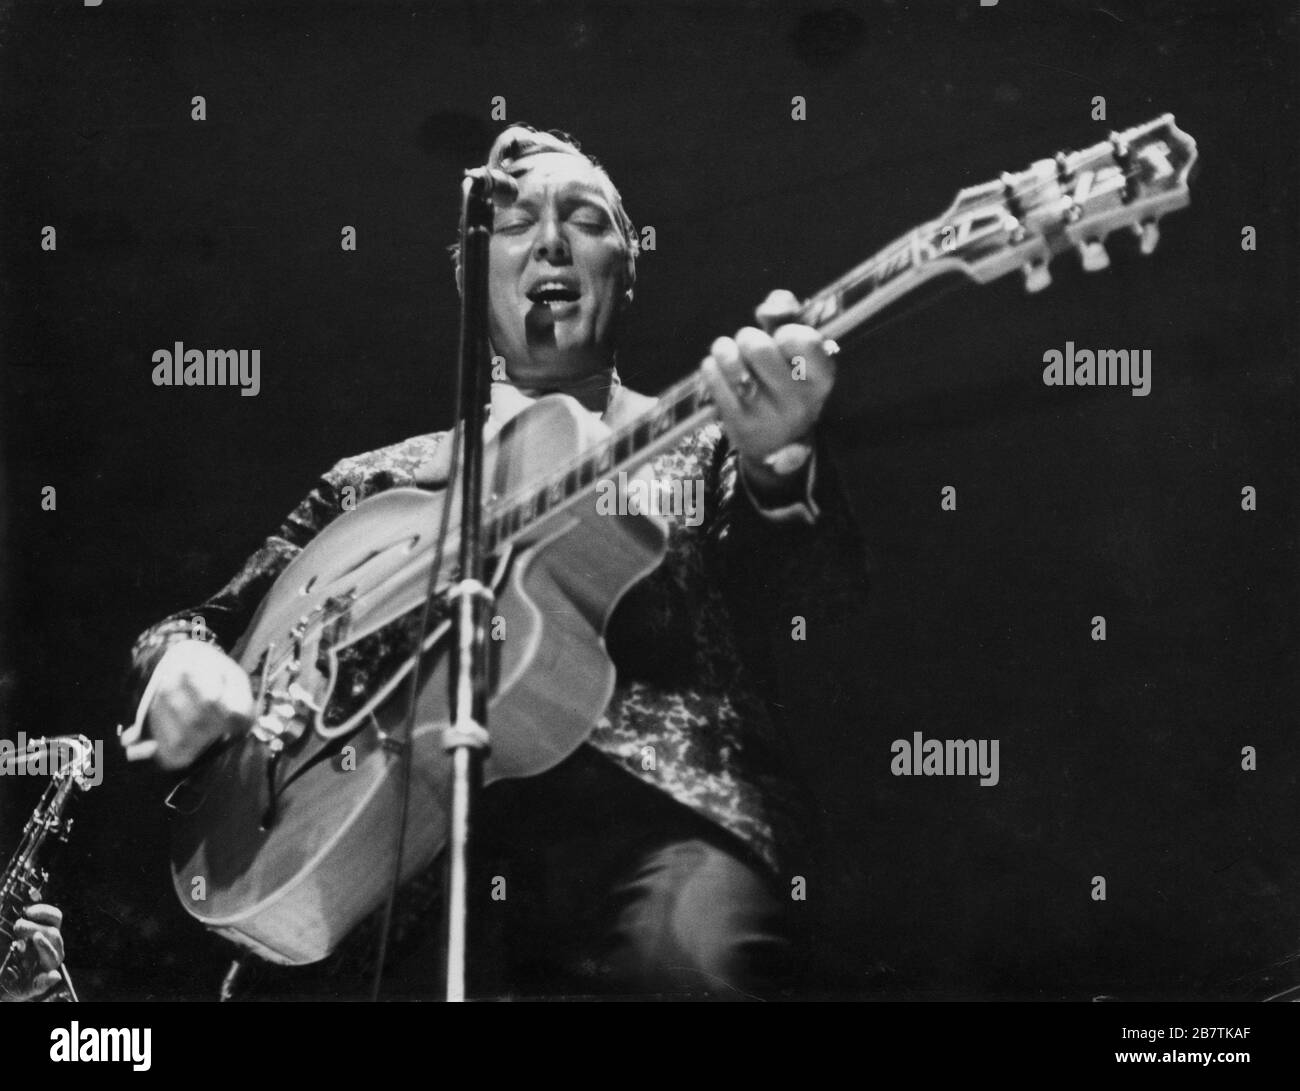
point(1119, 759)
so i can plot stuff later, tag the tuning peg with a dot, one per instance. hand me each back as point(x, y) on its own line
point(1093, 254)
point(1037, 276)
point(1149, 235)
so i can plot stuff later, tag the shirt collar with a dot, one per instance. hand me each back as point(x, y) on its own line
point(596, 393)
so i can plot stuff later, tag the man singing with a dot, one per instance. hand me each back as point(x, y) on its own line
point(655, 861)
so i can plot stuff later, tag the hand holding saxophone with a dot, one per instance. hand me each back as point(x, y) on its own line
point(35, 955)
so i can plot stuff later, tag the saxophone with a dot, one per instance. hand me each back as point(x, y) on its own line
point(24, 879)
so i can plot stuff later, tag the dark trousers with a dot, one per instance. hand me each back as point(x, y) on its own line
point(593, 883)
point(586, 883)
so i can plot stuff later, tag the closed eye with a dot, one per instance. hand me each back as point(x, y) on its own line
point(514, 226)
point(595, 224)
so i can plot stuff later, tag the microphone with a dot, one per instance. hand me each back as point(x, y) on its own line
point(493, 184)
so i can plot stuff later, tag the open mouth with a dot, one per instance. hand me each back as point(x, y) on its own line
point(553, 293)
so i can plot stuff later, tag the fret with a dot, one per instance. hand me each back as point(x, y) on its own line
point(860, 289)
point(821, 308)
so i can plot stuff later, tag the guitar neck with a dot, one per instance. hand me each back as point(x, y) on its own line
point(1018, 222)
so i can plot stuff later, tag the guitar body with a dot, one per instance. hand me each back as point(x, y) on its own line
point(290, 881)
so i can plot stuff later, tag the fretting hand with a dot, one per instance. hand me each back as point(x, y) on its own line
point(770, 385)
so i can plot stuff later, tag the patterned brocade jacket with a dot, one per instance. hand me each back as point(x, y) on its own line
point(690, 643)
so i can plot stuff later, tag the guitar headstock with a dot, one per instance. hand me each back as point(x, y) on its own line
point(1071, 201)
point(1021, 221)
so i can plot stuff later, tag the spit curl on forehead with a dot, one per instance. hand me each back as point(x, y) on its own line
point(510, 152)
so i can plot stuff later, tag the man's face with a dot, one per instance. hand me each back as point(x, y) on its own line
point(557, 261)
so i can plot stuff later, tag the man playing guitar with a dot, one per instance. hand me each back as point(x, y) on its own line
point(657, 859)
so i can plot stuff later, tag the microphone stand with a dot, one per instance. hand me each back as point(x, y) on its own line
point(472, 600)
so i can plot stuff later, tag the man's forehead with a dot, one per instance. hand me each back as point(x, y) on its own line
point(560, 171)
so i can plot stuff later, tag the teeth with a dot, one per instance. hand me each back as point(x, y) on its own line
point(550, 288)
